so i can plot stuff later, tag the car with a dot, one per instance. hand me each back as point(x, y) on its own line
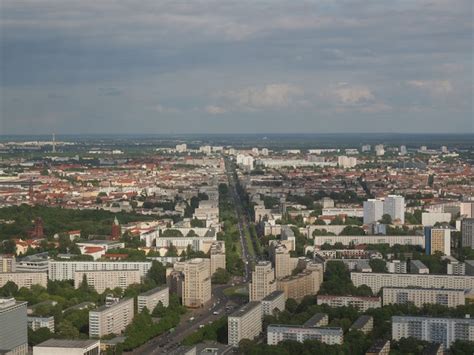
point(191, 319)
point(201, 326)
point(215, 313)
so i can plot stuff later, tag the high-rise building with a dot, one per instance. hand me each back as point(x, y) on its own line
point(284, 264)
point(373, 210)
point(346, 162)
point(111, 319)
point(467, 232)
point(245, 323)
point(379, 150)
point(433, 330)
point(467, 209)
point(116, 230)
point(403, 150)
point(196, 281)
point(394, 206)
point(7, 263)
point(181, 148)
point(13, 327)
point(217, 256)
point(263, 281)
point(274, 301)
point(437, 240)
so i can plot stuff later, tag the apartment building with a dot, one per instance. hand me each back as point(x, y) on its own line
point(363, 324)
point(417, 267)
point(373, 210)
point(68, 346)
point(317, 320)
point(279, 332)
point(263, 281)
point(64, 270)
point(217, 256)
point(245, 323)
point(379, 347)
point(7, 263)
point(111, 319)
point(437, 240)
point(376, 281)
point(394, 205)
point(196, 281)
point(434, 330)
point(24, 279)
point(151, 298)
point(467, 232)
point(102, 280)
point(361, 303)
point(13, 327)
point(353, 240)
point(284, 264)
point(421, 296)
point(40, 322)
point(274, 301)
point(307, 282)
point(397, 267)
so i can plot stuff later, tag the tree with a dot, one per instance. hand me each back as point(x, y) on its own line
point(66, 330)
point(172, 251)
point(221, 276)
point(197, 223)
point(291, 305)
point(386, 219)
point(460, 347)
point(352, 230)
point(36, 337)
point(157, 273)
point(378, 265)
point(10, 289)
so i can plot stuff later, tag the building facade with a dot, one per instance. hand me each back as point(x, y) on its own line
point(24, 279)
point(467, 232)
point(263, 281)
point(434, 330)
point(111, 319)
point(196, 282)
point(274, 301)
point(102, 280)
point(41, 322)
point(245, 323)
point(421, 296)
point(13, 327)
point(217, 256)
point(437, 240)
point(150, 299)
point(279, 332)
point(361, 303)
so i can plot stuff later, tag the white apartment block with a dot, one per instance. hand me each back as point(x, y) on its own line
point(112, 319)
point(397, 267)
point(437, 240)
point(217, 256)
point(434, 330)
point(361, 303)
point(151, 298)
point(40, 322)
point(376, 281)
point(24, 279)
point(417, 267)
point(64, 270)
point(245, 323)
point(263, 281)
point(7, 263)
point(279, 332)
point(102, 280)
point(421, 296)
point(348, 211)
point(429, 219)
point(369, 239)
point(394, 206)
point(373, 210)
point(274, 301)
point(346, 162)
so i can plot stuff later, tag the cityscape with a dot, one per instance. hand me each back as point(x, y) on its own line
point(236, 177)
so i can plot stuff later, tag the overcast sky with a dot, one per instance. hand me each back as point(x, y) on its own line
point(101, 66)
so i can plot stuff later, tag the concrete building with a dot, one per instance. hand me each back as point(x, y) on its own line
point(394, 205)
point(317, 320)
point(347, 240)
point(437, 240)
point(217, 256)
point(379, 347)
point(41, 322)
point(272, 302)
point(373, 210)
point(376, 281)
point(429, 219)
point(434, 330)
point(421, 296)
point(111, 319)
point(305, 283)
point(284, 264)
point(456, 268)
point(263, 281)
point(245, 323)
point(196, 281)
point(361, 303)
point(13, 327)
point(417, 267)
point(24, 279)
point(7, 263)
point(33, 263)
point(467, 209)
point(364, 324)
point(279, 332)
point(346, 162)
point(67, 346)
point(151, 298)
point(397, 267)
point(102, 280)
point(64, 270)
point(467, 232)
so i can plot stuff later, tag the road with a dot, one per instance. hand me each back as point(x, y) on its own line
point(247, 257)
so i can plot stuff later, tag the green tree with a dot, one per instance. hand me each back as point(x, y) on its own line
point(221, 276)
point(67, 330)
point(386, 219)
point(10, 289)
point(38, 336)
point(378, 265)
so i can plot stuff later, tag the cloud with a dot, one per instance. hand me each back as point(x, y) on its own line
point(433, 87)
point(109, 92)
point(270, 96)
point(359, 98)
point(165, 109)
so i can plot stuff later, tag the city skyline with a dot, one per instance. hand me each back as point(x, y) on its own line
point(105, 67)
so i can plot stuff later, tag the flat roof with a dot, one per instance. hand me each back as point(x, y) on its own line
point(272, 295)
point(245, 308)
point(315, 319)
point(104, 307)
point(67, 343)
point(154, 290)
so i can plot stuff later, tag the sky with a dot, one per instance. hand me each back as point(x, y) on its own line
point(326, 66)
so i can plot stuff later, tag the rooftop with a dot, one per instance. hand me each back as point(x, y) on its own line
point(67, 343)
